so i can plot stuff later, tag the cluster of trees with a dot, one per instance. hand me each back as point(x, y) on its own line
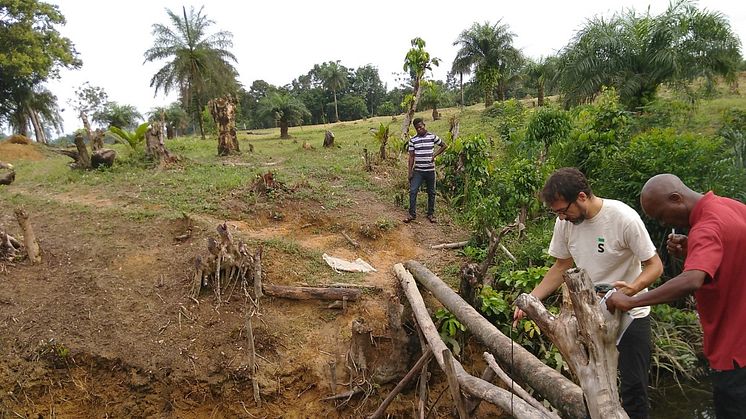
point(32, 52)
point(634, 53)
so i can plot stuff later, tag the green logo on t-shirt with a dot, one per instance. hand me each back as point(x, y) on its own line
point(600, 242)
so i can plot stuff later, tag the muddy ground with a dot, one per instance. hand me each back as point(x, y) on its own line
point(105, 327)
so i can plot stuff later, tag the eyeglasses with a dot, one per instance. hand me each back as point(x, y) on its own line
point(562, 211)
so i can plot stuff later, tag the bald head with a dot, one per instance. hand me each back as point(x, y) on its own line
point(666, 199)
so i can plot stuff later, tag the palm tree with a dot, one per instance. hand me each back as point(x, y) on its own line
point(539, 75)
point(115, 115)
point(199, 63)
point(637, 53)
point(488, 52)
point(334, 77)
point(39, 107)
point(173, 116)
point(284, 109)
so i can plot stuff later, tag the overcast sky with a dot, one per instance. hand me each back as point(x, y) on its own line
point(279, 40)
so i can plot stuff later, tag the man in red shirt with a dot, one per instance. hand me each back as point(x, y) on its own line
point(714, 269)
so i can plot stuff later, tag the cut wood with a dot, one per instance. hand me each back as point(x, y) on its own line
point(585, 334)
point(453, 386)
point(561, 393)
point(309, 293)
point(252, 358)
point(455, 245)
point(349, 240)
point(470, 384)
point(515, 388)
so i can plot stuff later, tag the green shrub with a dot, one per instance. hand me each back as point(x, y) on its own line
point(545, 127)
point(507, 117)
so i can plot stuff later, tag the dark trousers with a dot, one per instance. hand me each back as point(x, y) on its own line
point(414, 187)
point(729, 392)
point(634, 368)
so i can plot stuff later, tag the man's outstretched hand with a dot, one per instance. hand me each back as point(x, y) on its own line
point(619, 300)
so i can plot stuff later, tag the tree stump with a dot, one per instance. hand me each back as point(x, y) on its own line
point(103, 158)
point(83, 160)
point(155, 146)
point(29, 238)
point(223, 111)
point(585, 334)
point(10, 247)
point(9, 176)
point(227, 265)
point(328, 139)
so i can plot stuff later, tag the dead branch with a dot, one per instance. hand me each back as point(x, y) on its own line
point(252, 358)
point(491, 250)
point(455, 245)
point(470, 384)
point(309, 293)
point(453, 385)
point(562, 393)
point(515, 388)
point(349, 240)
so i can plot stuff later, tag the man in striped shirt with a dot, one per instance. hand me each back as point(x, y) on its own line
point(422, 156)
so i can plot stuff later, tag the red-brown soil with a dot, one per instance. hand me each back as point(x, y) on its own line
point(104, 326)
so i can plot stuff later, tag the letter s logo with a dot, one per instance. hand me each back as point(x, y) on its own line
point(600, 248)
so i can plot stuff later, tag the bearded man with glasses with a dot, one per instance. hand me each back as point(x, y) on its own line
point(607, 239)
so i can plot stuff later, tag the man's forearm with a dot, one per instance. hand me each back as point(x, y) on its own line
point(674, 289)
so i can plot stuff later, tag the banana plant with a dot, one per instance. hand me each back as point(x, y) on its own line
point(382, 136)
point(131, 138)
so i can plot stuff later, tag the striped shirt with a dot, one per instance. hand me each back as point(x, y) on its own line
point(423, 148)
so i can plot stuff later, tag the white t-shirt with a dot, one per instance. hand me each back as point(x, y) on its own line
point(610, 246)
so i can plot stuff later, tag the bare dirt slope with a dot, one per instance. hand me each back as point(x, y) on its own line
point(104, 327)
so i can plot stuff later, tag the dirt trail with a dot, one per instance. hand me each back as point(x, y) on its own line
point(104, 327)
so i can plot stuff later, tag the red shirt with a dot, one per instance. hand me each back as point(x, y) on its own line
point(717, 246)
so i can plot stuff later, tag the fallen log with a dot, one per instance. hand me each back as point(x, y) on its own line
point(309, 293)
point(470, 384)
point(585, 334)
point(561, 393)
point(515, 388)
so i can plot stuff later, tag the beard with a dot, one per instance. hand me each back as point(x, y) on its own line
point(577, 220)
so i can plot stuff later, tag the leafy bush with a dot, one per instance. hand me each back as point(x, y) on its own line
point(508, 117)
point(351, 108)
point(700, 161)
point(387, 109)
point(545, 127)
point(733, 131)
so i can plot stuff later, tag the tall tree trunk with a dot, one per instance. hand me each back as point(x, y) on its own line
point(540, 95)
point(87, 127)
point(38, 129)
point(461, 87)
point(336, 111)
point(410, 112)
point(284, 128)
point(488, 98)
point(223, 111)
